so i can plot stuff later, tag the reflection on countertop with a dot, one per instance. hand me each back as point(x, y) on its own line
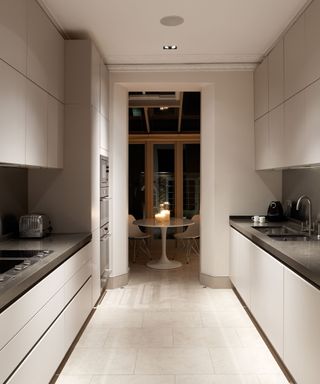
point(303, 257)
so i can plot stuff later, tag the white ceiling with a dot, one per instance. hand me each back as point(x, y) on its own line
point(214, 31)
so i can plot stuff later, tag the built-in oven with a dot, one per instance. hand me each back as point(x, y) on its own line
point(104, 221)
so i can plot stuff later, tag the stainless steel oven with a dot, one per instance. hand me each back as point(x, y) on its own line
point(104, 255)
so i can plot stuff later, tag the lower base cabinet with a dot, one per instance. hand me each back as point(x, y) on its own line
point(301, 329)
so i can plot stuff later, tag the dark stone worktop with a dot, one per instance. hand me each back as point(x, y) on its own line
point(62, 245)
point(302, 257)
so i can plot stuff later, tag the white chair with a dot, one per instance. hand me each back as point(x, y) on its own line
point(190, 238)
point(137, 238)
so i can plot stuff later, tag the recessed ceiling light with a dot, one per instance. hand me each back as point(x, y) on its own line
point(172, 21)
point(170, 47)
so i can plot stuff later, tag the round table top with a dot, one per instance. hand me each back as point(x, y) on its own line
point(174, 222)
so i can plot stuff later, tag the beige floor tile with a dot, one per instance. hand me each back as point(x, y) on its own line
point(272, 379)
point(231, 361)
point(171, 319)
point(134, 337)
point(205, 337)
point(93, 337)
point(173, 361)
point(74, 379)
point(101, 360)
point(106, 318)
point(250, 337)
point(133, 379)
point(216, 379)
point(232, 318)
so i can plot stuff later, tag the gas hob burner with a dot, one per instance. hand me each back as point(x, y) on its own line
point(23, 253)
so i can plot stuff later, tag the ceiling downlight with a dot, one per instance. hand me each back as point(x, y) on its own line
point(172, 21)
point(168, 47)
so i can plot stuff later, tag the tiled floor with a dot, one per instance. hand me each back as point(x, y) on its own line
point(165, 328)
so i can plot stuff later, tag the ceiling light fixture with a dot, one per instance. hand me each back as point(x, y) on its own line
point(172, 21)
point(166, 47)
point(163, 108)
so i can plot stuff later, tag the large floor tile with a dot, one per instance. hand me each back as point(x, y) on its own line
point(93, 337)
point(173, 361)
point(74, 379)
point(216, 379)
point(133, 379)
point(206, 337)
point(272, 379)
point(172, 319)
point(231, 361)
point(106, 318)
point(250, 337)
point(232, 318)
point(101, 360)
point(134, 337)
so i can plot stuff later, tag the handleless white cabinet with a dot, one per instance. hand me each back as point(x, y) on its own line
point(55, 132)
point(104, 90)
point(261, 135)
point(267, 295)
point(95, 78)
point(275, 76)
point(295, 58)
point(12, 115)
point(45, 60)
point(13, 33)
point(312, 126)
point(104, 142)
point(36, 126)
point(261, 89)
point(276, 138)
point(301, 328)
point(312, 35)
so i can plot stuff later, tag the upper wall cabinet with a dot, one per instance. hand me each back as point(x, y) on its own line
point(312, 124)
point(45, 60)
point(13, 33)
point(12, 115)
point(295, 58)
point(275, 72)
point(276, 138)
point(261, 134)
point(104, 90)
point(95, 77)
point(312, 33)
point(55, 124)
point(261, 89)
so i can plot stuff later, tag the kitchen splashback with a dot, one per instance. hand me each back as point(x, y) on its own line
point(297, 182)
point(13, 196)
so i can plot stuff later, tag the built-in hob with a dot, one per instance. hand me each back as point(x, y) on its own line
point(23, 253)
point(5, 265)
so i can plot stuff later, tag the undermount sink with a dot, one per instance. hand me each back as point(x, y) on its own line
point(277, 230)
point(290, 237)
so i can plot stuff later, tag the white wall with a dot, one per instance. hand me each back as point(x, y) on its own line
point(229, 183)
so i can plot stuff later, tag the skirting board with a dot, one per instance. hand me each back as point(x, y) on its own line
point(215, 281)
point(118, 281)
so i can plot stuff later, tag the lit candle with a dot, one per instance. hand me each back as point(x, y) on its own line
point(166, 215)
point(159, 217)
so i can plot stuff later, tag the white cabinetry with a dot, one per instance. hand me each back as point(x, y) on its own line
point(104, 90)
point(12, 115)
point(295, 58)
point(261, 135)
point(276, 138)
point(13, 33)
point(104, 142)
point(312, 125)
point(38, 328)
point(240, 264)
point(301, 328)
point(55, 132)
point(267, 295)
point(294, 130)
point(275, 75)
point(261, 89)
point(45, 60)
point(36, 126)
point(312, 34)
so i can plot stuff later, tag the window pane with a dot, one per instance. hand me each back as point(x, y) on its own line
point(136, 181)
point(191, 179)
point(163, 176)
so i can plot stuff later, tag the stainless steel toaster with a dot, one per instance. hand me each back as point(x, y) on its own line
point(34, 225)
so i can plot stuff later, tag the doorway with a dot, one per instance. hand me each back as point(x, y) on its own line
point(164, 154)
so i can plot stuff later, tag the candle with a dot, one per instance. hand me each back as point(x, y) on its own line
point(158, 218)
point(166, 215)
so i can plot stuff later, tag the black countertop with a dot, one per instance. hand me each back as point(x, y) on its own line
point(62, 245)
point(302, 257)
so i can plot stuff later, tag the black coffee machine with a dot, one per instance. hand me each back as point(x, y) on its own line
point(275, 211)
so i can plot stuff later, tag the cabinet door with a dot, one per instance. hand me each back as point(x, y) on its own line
point(13, 33)
point(312, 17)
point(12, 116)
point(95, 77)
point(36, 126)
point(294, 130)
point(276, 137)
point(312, 129)
point(103, 133)
point(301, 328)
point(240, 264)
point(276, 77)
point(261, 136)
point(55, 133)
point(261, 89)
point(294, 58)
point(267, 295)
point(104, 91)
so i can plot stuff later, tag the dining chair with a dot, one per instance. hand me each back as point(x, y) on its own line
point(138, 239)
point(190, 238)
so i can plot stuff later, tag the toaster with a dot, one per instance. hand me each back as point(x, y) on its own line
point(34, 225)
